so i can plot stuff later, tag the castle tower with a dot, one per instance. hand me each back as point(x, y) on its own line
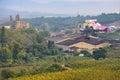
point(18, 22)
point(11, 22)
point(11, 19)
point(21, 24)
point(17, 17)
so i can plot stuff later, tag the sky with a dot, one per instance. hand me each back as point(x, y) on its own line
point(82, 7)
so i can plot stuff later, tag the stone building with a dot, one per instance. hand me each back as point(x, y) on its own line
point(17, 24)
point(83, 43)
point(21, 24)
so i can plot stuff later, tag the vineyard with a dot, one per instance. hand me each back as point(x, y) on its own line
point(108, 69)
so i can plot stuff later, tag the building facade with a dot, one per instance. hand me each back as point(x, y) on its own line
point(82, 43)
point(17, 24)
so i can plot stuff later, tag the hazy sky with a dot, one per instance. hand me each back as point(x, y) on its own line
point(82, 7)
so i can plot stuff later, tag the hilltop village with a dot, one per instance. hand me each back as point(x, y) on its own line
point(85, 36)
point(26, 50)
point(59, 39)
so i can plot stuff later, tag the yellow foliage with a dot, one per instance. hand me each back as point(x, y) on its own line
point(84, 74)
point(97, 70)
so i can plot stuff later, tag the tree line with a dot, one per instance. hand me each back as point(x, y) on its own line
point(70, 22)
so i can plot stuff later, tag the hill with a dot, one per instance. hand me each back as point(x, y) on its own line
point(5, 13)
point(67, 22)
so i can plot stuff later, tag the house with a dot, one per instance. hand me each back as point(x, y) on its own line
point(83, 43)
point(7, 26)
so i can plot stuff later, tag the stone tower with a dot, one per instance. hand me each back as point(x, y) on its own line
point(17, 17)
point(21, 24)
point(18, 22)
point(11, 19)
point(78, 28)
point(11, 22)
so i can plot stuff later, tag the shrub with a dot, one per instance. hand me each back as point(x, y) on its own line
point(22, 72)
point(99, 53)
point(8, 74)
point(55, 67)
point(86, 53)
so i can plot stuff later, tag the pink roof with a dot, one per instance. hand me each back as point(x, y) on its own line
point(102, 27)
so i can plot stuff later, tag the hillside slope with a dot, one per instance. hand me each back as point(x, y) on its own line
point(108, 69)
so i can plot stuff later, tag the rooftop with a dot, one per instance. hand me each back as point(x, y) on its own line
point(89, 40)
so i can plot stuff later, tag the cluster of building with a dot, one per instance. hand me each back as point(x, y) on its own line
point(83, 39)
point(16, 24)
point(97, 26)
point(78, 43)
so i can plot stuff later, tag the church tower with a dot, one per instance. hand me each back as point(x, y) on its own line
point(17, 17)
point(21, 24)
point(11, 19)
point(11, 22)
point(18, 22)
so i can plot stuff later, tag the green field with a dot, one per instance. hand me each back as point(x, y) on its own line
point(82, 69)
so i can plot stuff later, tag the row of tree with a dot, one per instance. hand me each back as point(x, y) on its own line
point(57, 23)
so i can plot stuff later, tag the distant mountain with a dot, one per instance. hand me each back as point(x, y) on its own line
point(7, 12)
point(59, 20)
point(69, 22)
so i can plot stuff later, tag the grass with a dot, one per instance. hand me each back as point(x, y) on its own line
point(83, 69)
point(81, 74)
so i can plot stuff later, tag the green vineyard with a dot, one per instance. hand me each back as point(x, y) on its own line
point(108, 69)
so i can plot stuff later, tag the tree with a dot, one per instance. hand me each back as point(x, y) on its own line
point(5, 55)
point(21, 55)
point(2, 39)
point(51, 45)
point(16, 48)
point(61, 58)
point(38, 49)
point(40, 38)
point(7, 74)
point(99, 53)
point(45, 26)
point(45, 33)
point(55, 67)
point(30, 30)
point(53, 49)
point(22, 72)
point(86, 53)
point(55, 28)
